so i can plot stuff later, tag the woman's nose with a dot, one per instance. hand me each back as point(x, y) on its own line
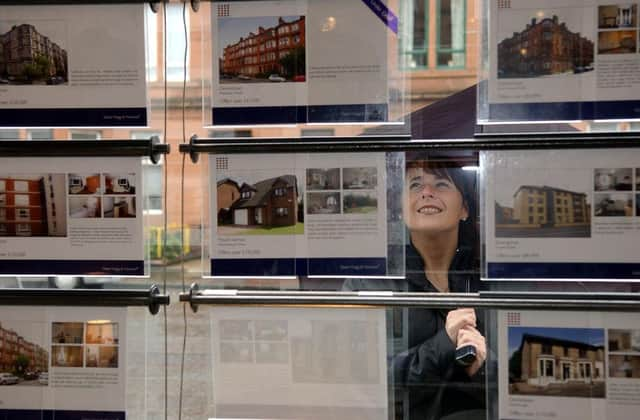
point(428, 190)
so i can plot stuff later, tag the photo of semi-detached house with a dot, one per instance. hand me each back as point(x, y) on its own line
point(561, 362)
point(544, 211)
point(269, 206)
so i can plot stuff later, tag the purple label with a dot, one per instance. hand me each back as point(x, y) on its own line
point(383, 12)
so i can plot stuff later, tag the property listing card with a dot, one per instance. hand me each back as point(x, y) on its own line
point(63, 363)
point(580, 365)
point(71, 216)
point(277, 62)
point(298, 214)
point(562, 214)
point(563, 60)
point(72, 65)
point(320, 364)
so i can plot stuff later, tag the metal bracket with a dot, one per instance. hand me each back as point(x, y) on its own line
point(157, 149)
point(195, 5)
point(193, 290)
point(193, 153)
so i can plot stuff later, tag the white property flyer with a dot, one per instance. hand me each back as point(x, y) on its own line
point(72, 66)
point(271, 64)
point(298, 214)
point(63, 363)
point(562, 214)
point(563, 60)
point(574, 366)
point(320, 364)
point(71, 216)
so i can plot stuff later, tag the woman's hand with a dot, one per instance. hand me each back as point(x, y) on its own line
point(469, 335)
point(458, 319)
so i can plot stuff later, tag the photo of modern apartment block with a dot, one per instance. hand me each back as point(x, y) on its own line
point(273, 52)
point(30, 57)
point(33, 205)
point(21, 355)
point(544, 47)
point(545, 363)
point(541, 211)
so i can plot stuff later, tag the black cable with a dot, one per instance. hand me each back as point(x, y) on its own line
point(182, 169)
point(165, 215)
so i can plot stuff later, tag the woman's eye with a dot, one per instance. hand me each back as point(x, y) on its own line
point(415, 186)
point(443, 185)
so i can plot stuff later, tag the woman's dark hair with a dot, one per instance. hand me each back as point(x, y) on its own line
point(465, 181)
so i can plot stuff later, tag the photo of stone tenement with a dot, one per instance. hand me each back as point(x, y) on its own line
point(24, 356)
point(262, 49)
point(29, 57)
point(540, 211)
point(558, 362)
point(544, 47)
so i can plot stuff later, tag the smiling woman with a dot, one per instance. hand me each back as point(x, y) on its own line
point(439, 211)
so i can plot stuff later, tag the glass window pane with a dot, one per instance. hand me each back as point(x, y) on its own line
point(451, 33)
point(9, 134)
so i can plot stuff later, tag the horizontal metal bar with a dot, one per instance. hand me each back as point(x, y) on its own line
point(151, 298)
point(74, 148)
point(556, 301)
point(403, 143)
point(57, 2)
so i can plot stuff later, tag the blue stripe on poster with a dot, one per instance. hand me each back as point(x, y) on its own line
point(299, 267)
point(60, 415)
point(383, 12)
point(300, 114)
point(622, 271)
point(554, 111)
point(72, 267)
point(259, 115)
point(74, 117)
point(347, 266)
point(348, 113)
point(254, 267)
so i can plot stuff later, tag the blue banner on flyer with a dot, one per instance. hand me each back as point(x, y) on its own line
point(383, 12)
point(72, 267)
point(596, 271)
point(61, 415)
point(74, 117)
point(298, 267)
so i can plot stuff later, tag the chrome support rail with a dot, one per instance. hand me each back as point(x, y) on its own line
point(621, 302)
point(152, 298)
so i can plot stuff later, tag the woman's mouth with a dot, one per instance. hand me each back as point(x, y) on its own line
point(429, 210)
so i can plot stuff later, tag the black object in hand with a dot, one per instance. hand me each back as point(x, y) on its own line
point(466, 355)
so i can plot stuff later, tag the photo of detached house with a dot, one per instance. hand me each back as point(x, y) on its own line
point(268, 206)
point(33, 205)
point(543, 47)
point(539, 211)
point(29, 57)
point(558, 362)
point(266, 49)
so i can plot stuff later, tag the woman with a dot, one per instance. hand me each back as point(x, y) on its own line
point(439, 212)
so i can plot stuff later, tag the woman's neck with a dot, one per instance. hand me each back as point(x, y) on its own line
point(437, 252)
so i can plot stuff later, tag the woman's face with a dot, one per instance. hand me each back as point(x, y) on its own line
point(432, 203)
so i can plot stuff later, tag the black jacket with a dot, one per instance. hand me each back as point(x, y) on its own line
point(427, 381)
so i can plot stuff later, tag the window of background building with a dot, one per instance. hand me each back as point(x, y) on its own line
point(176, 43)
point(40, 134)
point(449, 34)
point(152, 177)
point(9, 134)
point(152, 45)
point(86, 135)
point(451, 43)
